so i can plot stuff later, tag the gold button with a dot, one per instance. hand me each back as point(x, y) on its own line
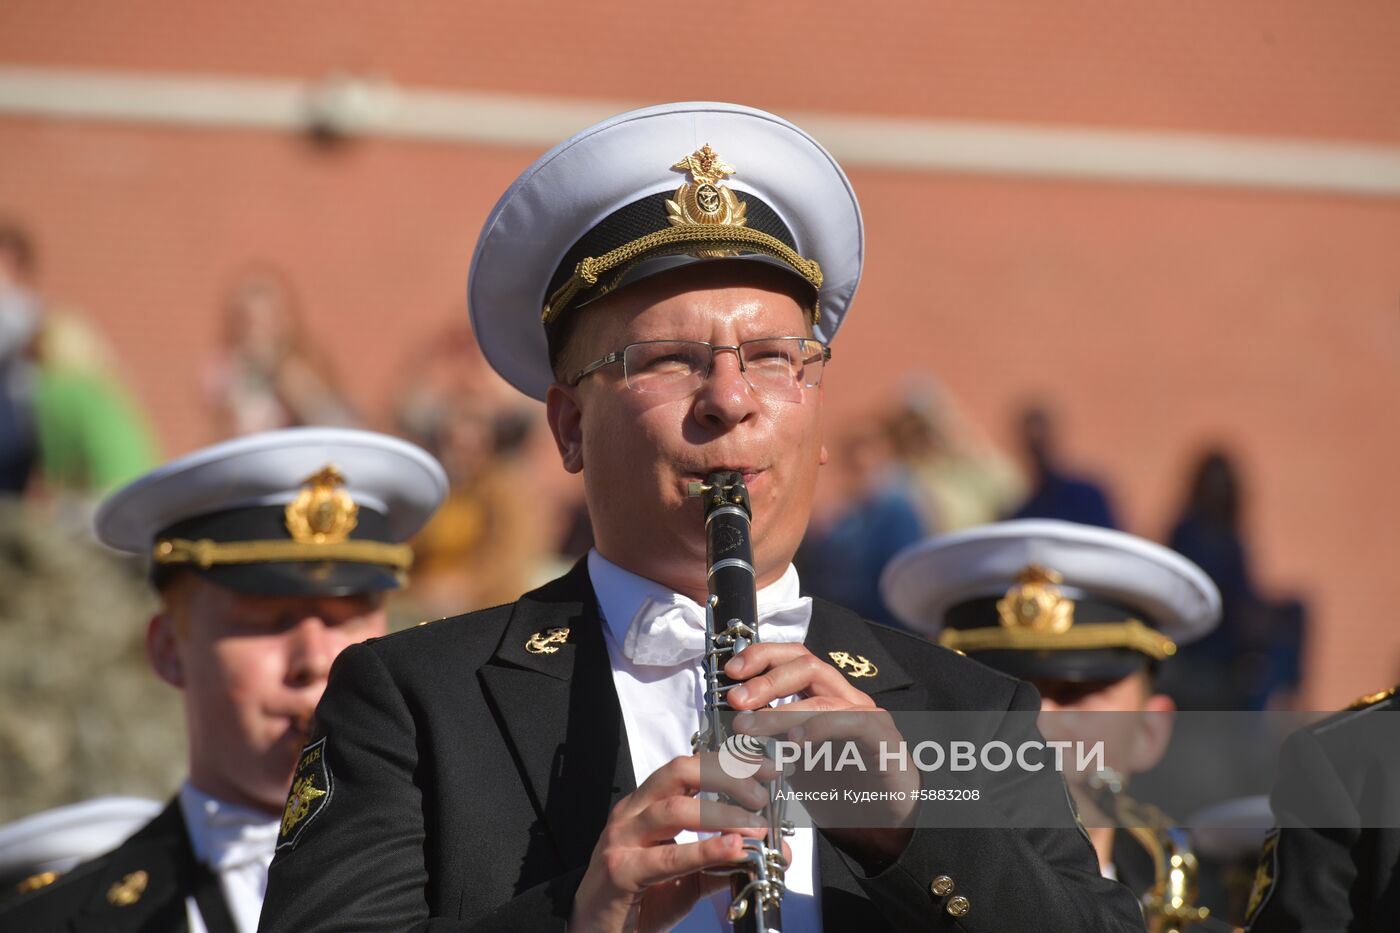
point(942, 886)
point(958, 906)
point(35, 882)
point(129, 890)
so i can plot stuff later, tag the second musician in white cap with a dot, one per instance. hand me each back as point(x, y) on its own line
point(270, 555)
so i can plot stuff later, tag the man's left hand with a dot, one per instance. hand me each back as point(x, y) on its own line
point(827, 709)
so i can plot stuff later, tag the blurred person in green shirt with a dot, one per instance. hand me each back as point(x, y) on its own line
point(64, 414)
point(92, 434)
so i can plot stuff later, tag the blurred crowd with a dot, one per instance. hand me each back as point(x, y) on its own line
point(918, 468)
point(71, 430)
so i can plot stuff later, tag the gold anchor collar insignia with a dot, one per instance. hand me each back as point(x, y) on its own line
point(853, 665)
point(34, 882)
point(706, 200)
point(128, 891)
point(548, 641)
point(1036, 604)
point(323, 512)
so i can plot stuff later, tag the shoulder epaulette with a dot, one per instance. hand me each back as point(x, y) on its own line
point(1371, 699)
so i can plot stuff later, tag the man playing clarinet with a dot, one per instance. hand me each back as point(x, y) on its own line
point(668, 282)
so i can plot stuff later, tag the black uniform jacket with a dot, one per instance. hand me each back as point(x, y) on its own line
point(469, 780)
point(1334, 862)
point(138, 887)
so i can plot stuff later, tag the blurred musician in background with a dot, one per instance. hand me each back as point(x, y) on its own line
point(1088, 616)
point(271, 554)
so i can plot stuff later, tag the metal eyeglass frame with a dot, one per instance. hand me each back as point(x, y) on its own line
point(617, 356)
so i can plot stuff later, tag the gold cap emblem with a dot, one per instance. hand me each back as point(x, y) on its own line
point(323, 512)
point(1035, 602)
point(128, 891)
point(705, 201)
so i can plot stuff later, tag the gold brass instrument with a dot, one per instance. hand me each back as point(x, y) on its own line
point(731, 625)
point(1170, 904)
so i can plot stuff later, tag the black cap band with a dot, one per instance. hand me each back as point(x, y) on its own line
point(616, 250)
point(251, 550)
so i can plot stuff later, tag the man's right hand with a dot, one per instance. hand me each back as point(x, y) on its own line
point(639, 877)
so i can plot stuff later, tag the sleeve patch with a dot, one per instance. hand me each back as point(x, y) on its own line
point(1265, 877)
point(312, 786)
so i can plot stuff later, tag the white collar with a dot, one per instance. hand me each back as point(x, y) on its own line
point(224, 834)
point(621, 593)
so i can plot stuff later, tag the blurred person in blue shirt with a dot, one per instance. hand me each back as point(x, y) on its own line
point(1055, 492)
point(841, 557)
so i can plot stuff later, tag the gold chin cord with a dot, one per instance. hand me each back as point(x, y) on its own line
point(1170, 904)
point(731, 625)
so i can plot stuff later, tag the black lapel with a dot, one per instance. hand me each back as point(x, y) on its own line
point(560, 713)
point(837, 635)
point(209, 898)
point(144, 882)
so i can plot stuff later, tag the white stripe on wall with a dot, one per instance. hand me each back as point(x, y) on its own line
point(379, 109)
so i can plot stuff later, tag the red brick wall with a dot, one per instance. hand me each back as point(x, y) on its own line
point(1159, 317)
point(1287, 67)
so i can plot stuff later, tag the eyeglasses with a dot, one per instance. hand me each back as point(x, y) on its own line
point(777, 367)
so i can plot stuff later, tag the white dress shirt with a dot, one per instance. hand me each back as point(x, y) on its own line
point(661, 700)
point(237, 844)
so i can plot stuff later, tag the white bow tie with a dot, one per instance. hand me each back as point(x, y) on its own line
point(234, 841)
point(666, 633)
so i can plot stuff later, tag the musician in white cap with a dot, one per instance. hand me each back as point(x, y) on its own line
point(668, 282)
point(1087, 615)
point(270, 554)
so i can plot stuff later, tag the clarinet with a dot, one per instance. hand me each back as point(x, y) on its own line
point(731, 625)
